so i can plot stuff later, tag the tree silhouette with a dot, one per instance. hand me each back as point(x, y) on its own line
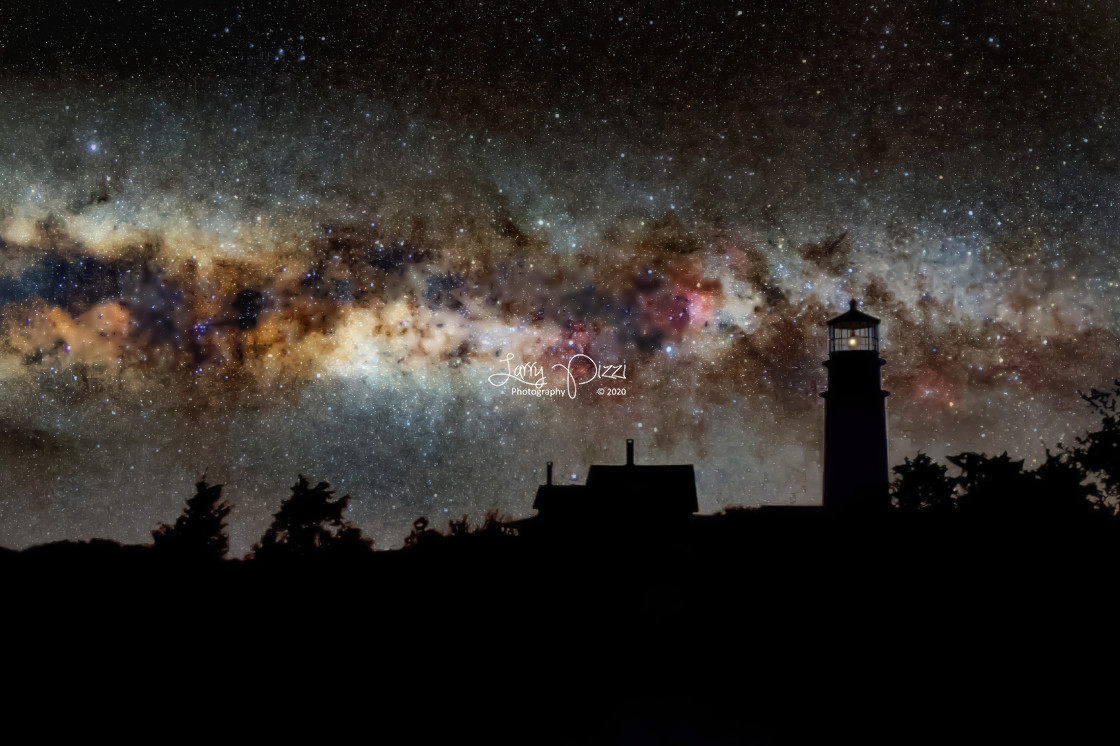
point(999, 485)
point(992, 484)
point(922, 484)
point(1098, 452)
point(309, 524)
point(200, 532)
point(1061, 484)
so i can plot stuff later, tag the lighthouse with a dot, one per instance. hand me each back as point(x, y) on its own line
point(855, 418)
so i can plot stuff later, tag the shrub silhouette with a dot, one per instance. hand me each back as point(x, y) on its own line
point(495, 523)
point(200, 532)
point(309, 524)
point(460, 527)
point(421, 534)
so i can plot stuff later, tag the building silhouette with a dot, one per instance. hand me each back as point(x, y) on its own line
point(855, 421)
point(660, 495)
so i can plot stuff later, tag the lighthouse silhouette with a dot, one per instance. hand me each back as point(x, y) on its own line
point(855, 419)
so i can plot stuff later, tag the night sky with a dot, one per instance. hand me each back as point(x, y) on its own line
point(260, 240)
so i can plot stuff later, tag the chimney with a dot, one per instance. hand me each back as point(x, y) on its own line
point(549, 473)
point(629, 451)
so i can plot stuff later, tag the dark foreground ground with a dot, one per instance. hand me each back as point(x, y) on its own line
point(753, 627)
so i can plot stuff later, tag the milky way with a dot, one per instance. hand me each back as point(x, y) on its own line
point(265, 241)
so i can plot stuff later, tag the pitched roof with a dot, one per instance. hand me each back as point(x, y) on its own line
point(647, 489)
point(852, 318)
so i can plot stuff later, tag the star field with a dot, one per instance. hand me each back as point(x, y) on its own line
point(257, 240)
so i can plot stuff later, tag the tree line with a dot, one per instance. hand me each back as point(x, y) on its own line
point(310, 523)
point(1071, 480)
